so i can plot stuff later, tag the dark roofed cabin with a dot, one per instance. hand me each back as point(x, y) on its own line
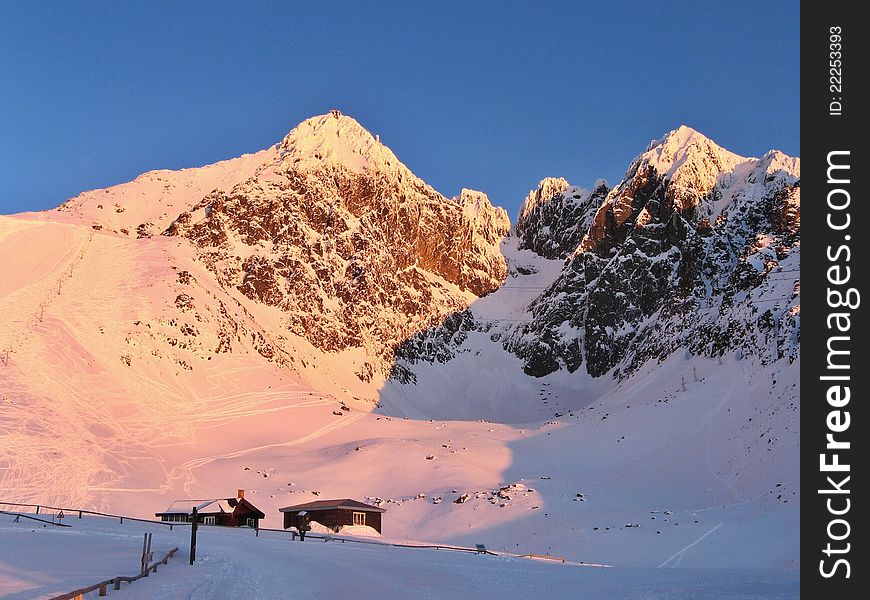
point(335, 514)
point(229, 512)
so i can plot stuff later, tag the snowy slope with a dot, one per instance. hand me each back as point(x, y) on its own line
point(148, 204)
point(249, 347)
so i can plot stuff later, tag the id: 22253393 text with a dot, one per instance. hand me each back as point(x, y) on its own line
point(835, 72)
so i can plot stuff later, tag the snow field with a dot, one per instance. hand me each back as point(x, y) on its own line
point(233, 563)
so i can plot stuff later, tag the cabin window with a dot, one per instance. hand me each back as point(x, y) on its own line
point(208, 520)
point(252, 522)
point(359, 518)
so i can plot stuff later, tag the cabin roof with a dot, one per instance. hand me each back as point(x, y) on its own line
point(210, 505)
point(344, 503)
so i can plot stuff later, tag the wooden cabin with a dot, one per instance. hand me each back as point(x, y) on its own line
point(229, 512)
point(335, 513)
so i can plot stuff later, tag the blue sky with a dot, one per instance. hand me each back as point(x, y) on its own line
point(487, 95)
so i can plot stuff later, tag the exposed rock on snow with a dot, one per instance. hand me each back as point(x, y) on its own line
point(352, 247)
point(696, 247)
point(555, 216)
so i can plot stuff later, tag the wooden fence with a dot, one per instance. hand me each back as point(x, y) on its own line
point(80, 511)
point(115, 582)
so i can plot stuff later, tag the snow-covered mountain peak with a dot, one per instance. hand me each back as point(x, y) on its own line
point(548, 188)
point(335, 138)
point(686, 157)
point(486, 220)
point(469, 197)
point(474, 203)
point(555, 216)
point(774, 161)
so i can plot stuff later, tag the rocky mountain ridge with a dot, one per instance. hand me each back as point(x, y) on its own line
point(697, 249)
point(555, 217)
point(350, 246)
point(694, 248)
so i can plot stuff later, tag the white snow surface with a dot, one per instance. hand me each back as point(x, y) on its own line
point(234, 563)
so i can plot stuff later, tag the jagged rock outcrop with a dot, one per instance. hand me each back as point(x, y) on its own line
point(350, 246)
point(696, 247)
point(555, 217)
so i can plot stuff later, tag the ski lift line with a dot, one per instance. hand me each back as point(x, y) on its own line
point(772, 300)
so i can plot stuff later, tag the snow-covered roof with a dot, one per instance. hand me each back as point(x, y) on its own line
point(345, 503)
point(185, 507)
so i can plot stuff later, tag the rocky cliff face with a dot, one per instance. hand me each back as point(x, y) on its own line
point(696, 247)
point(696, 250)
point(555, 216)
point(352, 247)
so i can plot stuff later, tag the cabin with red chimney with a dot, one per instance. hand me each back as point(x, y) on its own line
point(229, 512)
point(335, 514)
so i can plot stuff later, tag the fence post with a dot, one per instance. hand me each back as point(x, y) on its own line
point(117, 583)
point(144, 550)
point(103, 591)
point(193, 536)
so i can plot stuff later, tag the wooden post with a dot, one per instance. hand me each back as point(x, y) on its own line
point(80, 514)
point(143, 560)
point(117, 583)
point(37, 509)
point(193, 537)
point(103, 590)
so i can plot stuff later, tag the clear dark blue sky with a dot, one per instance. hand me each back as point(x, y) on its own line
point(488, 95)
